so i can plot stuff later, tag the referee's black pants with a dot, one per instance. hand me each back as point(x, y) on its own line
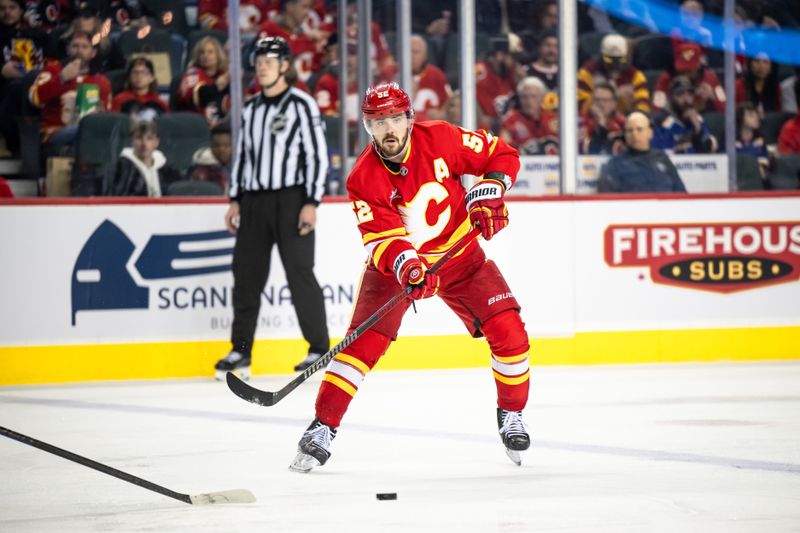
point(268, 218)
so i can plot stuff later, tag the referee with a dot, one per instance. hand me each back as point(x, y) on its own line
point(277, 182)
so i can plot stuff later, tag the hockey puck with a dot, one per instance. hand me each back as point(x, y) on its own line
point(386, 495)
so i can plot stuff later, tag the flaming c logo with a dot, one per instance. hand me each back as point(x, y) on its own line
point(719, 257)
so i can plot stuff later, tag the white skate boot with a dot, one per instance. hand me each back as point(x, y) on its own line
point(513, 433)
point(314, 447)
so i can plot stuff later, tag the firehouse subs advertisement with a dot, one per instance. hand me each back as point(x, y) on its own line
point(95, 273)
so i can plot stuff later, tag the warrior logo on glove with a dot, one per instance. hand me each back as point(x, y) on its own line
point(485, 204)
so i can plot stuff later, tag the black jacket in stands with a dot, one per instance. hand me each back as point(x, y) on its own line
point(282, 145)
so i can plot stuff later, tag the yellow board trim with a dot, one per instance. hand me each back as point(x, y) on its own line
point(339, 382)
point(61, 364)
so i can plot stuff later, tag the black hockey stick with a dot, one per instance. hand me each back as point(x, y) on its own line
point(266, 398)
point(227, 496)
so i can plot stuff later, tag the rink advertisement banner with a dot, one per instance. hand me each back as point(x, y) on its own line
point(594, 276)
point(701, 173)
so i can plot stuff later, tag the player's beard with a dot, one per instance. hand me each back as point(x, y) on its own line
point(396, 148)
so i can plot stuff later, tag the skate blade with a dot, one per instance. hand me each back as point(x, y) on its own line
point(515, 456)
point(303, 463)
point(241, 373)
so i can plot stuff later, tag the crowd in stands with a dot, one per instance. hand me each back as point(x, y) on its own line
point(63, 60)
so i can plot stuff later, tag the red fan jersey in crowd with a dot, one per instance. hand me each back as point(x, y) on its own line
point(423, 201)
point(213, 14)
point(381, 59)
point(318, 19)
point(532, 136)
point(789, 138)
point(189, 95)
point(431, 90)
point(326, 93)
point(305, 56)
point(709, 94)
point(57, 98)
point(493, 91)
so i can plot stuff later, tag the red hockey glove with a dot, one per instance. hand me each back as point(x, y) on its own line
point(410, 271)
point(486, 207)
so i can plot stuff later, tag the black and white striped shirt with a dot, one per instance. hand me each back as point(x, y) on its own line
point(282, 145)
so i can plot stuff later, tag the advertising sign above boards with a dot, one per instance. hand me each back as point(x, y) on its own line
point(539, 175)
point(161, 272)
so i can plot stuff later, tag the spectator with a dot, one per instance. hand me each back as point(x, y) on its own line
point(749, 139)
point(789, 137)
point(46, 14)
point(142, 169)
point(204, 87)
point(530, 129)
point(680, 127)
point(213, 15)
point(326, 90)
point(760, 85)
point(639, 168)
point(430, 88)
point(494, 82)
point(67, 93)
point(602, 128)
point(545, 67)
point(788, 94)
point(87, 20)
point(23, 52)
point(214, 164)
point(382, 61)
point(139, 98)
point(5, 189)
point(691, 28)
point(612, 67)
point(709, 94)
point(452, 109)
point(288, 24)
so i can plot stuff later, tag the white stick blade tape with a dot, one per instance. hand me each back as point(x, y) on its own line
point(226, 496)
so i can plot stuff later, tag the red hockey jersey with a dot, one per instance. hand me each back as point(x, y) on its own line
point(431, 89)
point(531, 136)
point(305, 55)
point(57, 99)
point(189, 95)
point(422, 202)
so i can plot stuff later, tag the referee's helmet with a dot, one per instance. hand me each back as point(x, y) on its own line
point(270, 47)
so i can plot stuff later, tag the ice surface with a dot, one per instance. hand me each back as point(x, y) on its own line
point(689, 447)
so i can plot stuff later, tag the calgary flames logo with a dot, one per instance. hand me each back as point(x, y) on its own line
point(717, 257)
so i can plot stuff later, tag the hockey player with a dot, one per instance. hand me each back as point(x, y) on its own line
point(411, 207)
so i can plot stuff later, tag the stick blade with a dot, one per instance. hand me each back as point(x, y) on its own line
point(249, 393)
point(225, 496)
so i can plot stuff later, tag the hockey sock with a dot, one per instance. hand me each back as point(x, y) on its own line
point(508, 341)
point(345, 374)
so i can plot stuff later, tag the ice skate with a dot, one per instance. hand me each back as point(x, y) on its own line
point(233, 362)
point(314, 447)
point(310, 359)
point(513, 433)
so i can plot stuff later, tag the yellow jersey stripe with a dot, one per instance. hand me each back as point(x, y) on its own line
point(394, 232)
point(512, 381)
point(511, 358)
point(352, 361)
point(339, 382)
